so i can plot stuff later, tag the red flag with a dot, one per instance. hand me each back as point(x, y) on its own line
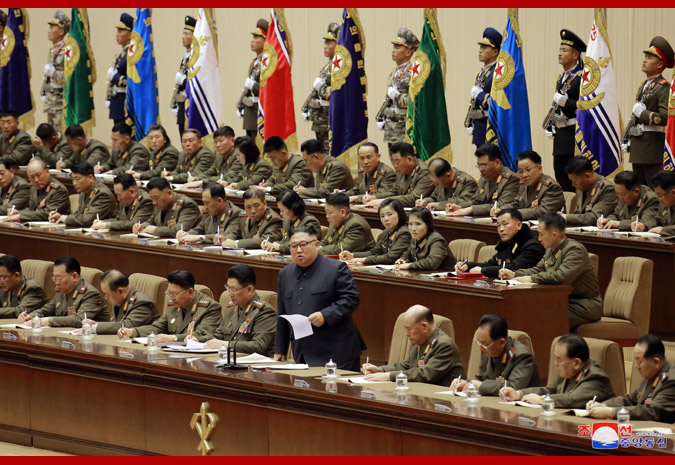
point(669, 152)
point(276, 114)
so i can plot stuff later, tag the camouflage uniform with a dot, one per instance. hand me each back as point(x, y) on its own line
point(52, 82)
point(247, 106)
point(318, 107)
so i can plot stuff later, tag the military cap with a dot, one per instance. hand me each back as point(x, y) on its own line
point(126, 22)
point(332, 34)
point(491, 38)
point(261, 28)
point(568, 37)
point(190, 23)
point(661, 48)
point(61, 20)
point(3, 18)
point(406, 38)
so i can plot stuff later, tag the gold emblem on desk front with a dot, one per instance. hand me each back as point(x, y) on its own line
point(204, 422)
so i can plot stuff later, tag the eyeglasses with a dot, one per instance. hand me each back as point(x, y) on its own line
point(232, 290)
point(302, 245)
point(527, 170)
point(57, 279)
point(483, 346)
point(482, 166)
point(173, 295)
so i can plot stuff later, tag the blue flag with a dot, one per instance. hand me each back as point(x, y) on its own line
point(142, 91)
point(15, 93)
point(509, 111)
point(348, 110)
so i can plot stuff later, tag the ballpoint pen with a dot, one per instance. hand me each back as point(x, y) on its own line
point(131, 168)
point(459, 380)
point(365, 370)
point(593, 400)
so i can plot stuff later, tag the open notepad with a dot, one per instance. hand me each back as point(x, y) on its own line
point(259, 252)
point(146, 235)
point(20, 326)
point(520, 403)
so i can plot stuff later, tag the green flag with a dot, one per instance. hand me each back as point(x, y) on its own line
point(426, 125)
point(79, 74)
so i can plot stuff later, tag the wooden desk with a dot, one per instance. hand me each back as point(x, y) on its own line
point(540, 310)
point(97, 398)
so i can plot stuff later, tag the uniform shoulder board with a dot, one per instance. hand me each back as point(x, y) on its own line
point(507, 174)
point(663, 81)
point(360, 172)
point(548, 181)
point(54, 185)
point(243, 213)
point(460, 178)
point(180, 202)
point(82, 290)
point(258, 304)
point(203, 303)
point(382, 170)
point(268, 215)
point(132, 300)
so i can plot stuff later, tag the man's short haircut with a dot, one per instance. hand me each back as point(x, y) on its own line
point(125, 180)
point(491, 150)
point(576, 346)
point(305, 228)
point(223, 131)
point(274, 144)
point(158, 183)
point(160, 128)
point(181, 278)
point(515, 214)
point(122, 128)
point(496, 325)
point(71, 264)
point(397, 206)
point(403, 149)
point(216, 190)
point(291, 200)
point(75, 130)
point(10, 262)
point(664, 179)
point(553, 221)
point(255, 194)
point(424, 314)
point(531, 155)
point(370, 144)
point(425, 215)
point(579, 165)
point(84, 168)
point(7, 163)
point(248, 148)
point(653, 346)
point(627, 179)
point(194, 131)
point(115, 279)
point(11, 113)
point(338, 200)
point(439, 166)
point(312, 146)
point(44, 131)
point(242, 273)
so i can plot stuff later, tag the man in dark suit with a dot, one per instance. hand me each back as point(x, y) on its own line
point(322, 289)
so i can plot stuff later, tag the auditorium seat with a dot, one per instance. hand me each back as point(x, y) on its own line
point(92, 276)
point(486, 253)
point(474, 356)
point(41, 271)
point(464, 249)
point(627, 303)
point(376, 233)
point(74, 202)
point(154, 286)
point(595, 262)
point(570, 201)
point(324, 231)
point(269, 297)
point(399, 349)
point(204, 290)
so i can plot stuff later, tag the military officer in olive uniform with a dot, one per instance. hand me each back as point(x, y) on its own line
point(578, 379)
point(348, 231)
point(52, 82)
point(504, 361)
point(96, 200)
point(14, 190)
point(316, 107)
point(538, 193)
point(258, 225)
point(179, 91)
point(255, 169)
point(51, 146)
point(116, 96)
point(131, 307)
point(173, 212)
point(374, 176)
point(220, 218)
point(247, 106)
point(18, 293)
point(452, 186)
point(194, 161)
point(330, 174)
point(127, 154)
point(189, 313)
point(664, 188)
point(497, 186)
point(82, 148)
point(428, 249)
point(163, 155)
point(434, 357)
point(15, 144)
point(476, 119)
point(289, 169)
point(393, 114)
point(74, 300)
point(134, 205)
point(46, 195)
point(566, 261)
point(564, 119)
point(227, 168)
point(647, 136)
point(654, 398)
point(596, 196)
point(637, 204)
point(249, 324)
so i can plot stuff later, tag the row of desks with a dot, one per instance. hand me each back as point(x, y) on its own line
point(108, 397)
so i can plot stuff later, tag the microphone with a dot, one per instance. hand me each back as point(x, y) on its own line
point(233, 350)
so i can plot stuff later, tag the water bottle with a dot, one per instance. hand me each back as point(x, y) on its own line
point(152, 341)
point(623, 416)
point(331, 386)
point(548, 406)
point(401, 382)
point(222, 354)
point(471, 393)
point(36, 324)
point(331, 369)
point(86, 331)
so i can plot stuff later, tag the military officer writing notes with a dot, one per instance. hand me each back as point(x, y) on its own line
point(595, 194)
point(434, 357)
point(538, 193)
point(247, 106)
point(477, 116)
point(52, 146)
point(452, 186)
point(116, 97)
point(172, 213)
point(134, 205)
point(14, 190)
point(18, 293)
point(289, 169)
point(220, 218)
point(330, 174)
point(15, 143)
point(664, 188)
point(81, 147)
point(347, 231)
point(374, 176)
point(323, 290)
point(52, 81)
point(637, 204)
point(179, 91)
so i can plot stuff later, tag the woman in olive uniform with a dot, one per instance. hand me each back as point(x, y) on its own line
point(256, 169)
point(428, 249)
point(292, 210)
point(393, 242)
point(164, 156)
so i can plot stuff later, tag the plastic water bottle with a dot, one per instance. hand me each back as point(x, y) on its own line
point(471, 393)
point(86, 331)
point(331, 369)
point(222, 354)
point(152, 341)
point(622, 416)
point(548, 406)
point(36, 324)
point(401, 382)
point(331, 386)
